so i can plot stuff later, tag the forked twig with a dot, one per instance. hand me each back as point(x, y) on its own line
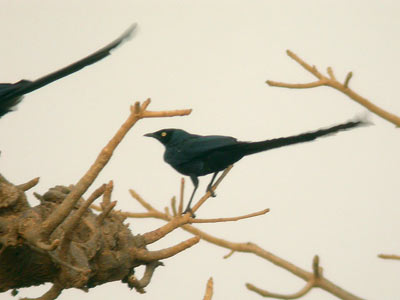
point(313, 279)
point(138, 111)
point(332, 82)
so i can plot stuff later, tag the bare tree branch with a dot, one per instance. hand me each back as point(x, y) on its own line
point(67, 243)
point(149, 256)
point(137, 112)
point(313, 279)
point(332, 82)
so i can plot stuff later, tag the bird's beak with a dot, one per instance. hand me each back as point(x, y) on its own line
point(149, 135)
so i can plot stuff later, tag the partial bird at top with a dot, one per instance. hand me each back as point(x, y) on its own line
point(12, 93)
point(196, 155)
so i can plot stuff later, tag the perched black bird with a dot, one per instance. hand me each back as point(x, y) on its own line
point(196, 155)
point(12, 93)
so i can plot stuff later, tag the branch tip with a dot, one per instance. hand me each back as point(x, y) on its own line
point(209, 289)
point(217, 220)
point(135, 109)
point(181, 196)
point(145, 104)
point(302, 292)
point(226, 256)
point(155, 235)
point(28, 185)
point(315, 266)
point(173, 206)
point(149, 256)
point(330, 73)
point(106, 211)
point(389, 256)
point(347, 80)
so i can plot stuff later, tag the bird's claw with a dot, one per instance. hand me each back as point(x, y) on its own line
point(212, 193)
point(189, 210)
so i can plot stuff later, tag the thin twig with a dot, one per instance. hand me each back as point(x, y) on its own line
point(173, 206)
point(106, 211)
point(226, 256)
point(347, 80)
point(332, 82)
point(309, 285)
point(107, 194)
point(138, 198)
point(231, 219)
point(162, 114)
point(330, 73)
point(209, 289)
point(213, 188)
point(317, 270)
point(181, 196)
point(389, 256)
point(155, 235)
point(145, 255)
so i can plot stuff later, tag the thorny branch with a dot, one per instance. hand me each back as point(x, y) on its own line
point(331, 81)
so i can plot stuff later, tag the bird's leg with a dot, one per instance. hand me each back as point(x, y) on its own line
point(195, 181)
point(209, 186)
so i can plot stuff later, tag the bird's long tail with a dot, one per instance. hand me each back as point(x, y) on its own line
point(27, 86)
point(248, 148)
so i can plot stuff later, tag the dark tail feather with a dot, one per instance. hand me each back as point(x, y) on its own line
point(251, 148)
point(29, 86)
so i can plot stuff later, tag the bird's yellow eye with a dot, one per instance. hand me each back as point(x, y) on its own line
point(163, 133)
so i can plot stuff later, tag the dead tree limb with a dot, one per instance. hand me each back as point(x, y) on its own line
point(314, 279)
point(63, 241)
point(331, 81)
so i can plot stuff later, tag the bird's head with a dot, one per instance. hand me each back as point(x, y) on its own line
point(167, 136)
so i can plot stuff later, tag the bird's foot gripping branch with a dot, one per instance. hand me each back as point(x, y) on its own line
point(64, 242)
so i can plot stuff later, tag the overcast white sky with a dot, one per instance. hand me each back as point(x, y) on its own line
point(336, 197)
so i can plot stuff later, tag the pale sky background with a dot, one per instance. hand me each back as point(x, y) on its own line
point(336, 197)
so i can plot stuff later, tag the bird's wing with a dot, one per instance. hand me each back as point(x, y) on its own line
point(6, 88)
point(202, 145)
point(7, 103)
